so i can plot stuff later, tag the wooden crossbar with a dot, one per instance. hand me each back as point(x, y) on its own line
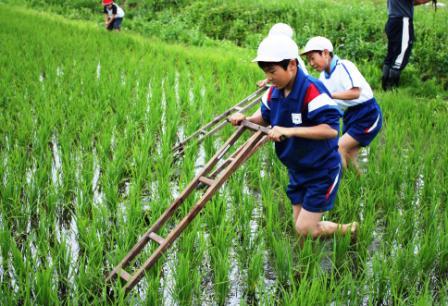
point(213, 181)
point(219, 121)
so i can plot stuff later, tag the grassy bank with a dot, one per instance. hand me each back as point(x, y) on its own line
point(357, 35)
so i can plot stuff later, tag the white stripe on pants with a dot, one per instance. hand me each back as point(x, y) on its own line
point(404, 43)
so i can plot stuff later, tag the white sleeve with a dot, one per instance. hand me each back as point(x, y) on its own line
point(353, 78)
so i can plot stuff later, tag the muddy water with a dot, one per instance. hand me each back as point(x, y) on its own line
point(167, 281)
point(363, 159)
point(162, 117)
point(59, 71)
point(67, 231)
point(122, 79)
point(191, 97)
point(30, 172)
point(5, 162)
point(98, 71)
point(163, 108)
point(56, 165)
point(98, 195)
point(200, 160)
point(416, 203)
point(148, 100)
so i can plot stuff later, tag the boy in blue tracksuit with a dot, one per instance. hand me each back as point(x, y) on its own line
point(299, 109)
point(353, 95)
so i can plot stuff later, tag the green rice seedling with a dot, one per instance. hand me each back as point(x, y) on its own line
point(424, 297)
point(353, 288)
point(443, 293)
point(187, 279)
point(220, 245)
point(370, 230)
point(255, 269)
point(380, 283)
point(269, 205)
point(282, 258)
point(427, 253)
point(220, 274)
point(6, 245)
point(190, 279)
point(341, 253)
point(406, 265)
point(309, 257)
point(307, 292)
point(443, 251)
point(153, 296)
point(44, 286)
point(63, 257)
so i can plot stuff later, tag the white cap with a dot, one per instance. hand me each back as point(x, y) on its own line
point(281, 29)
point(318, 43)
point(276, 48)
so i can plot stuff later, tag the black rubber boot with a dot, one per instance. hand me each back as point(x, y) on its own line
point(385, 82)
point(394, 77)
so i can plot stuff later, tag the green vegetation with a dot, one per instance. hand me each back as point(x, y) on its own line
point(356, 29)
point(88, 122)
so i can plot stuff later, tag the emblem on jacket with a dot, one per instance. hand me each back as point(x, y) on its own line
point(296, 118)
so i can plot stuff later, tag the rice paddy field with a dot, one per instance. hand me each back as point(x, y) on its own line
point(88, 122)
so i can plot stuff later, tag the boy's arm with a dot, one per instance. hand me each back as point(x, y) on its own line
point(350, 94)
point(317, 132)
point(256, 118)
point(322, 111)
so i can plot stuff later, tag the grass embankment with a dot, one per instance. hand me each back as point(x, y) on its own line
point(356, 29)
point(88, 122)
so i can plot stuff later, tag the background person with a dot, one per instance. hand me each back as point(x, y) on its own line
point(400, 38)
point(286, 30)
point(362, 115)
point(113, 15)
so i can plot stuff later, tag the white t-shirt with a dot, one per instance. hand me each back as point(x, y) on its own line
point(345, 76)
point(120, 12)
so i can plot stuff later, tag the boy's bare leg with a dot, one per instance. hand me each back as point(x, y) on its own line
point(309, 223)
point(354, 159)
point(349, 148)
point(296, 211)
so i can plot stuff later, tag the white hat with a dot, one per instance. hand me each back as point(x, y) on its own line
point(318, 43)
point(276, 48)
point(281, 29)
